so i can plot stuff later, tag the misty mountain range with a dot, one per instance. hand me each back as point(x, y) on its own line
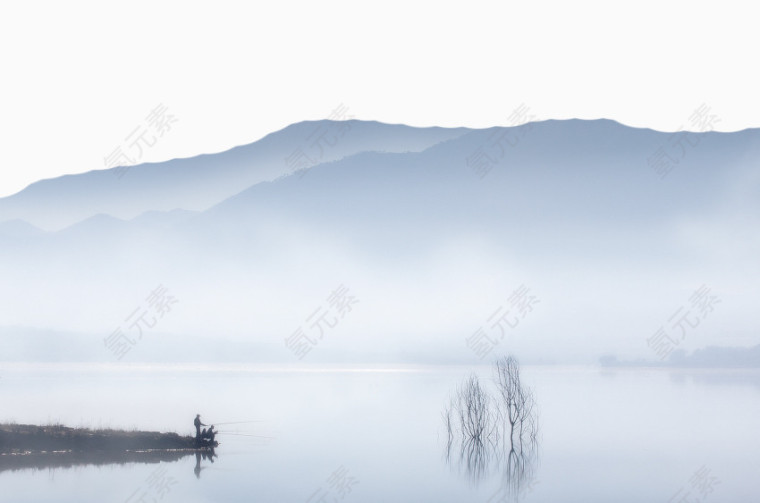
point(200, 182)
point(611, 228)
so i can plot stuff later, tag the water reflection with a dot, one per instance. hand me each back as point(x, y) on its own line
point(713, 377)
point(494, 433)
point(518, 474)
point(473, 458)
point(206, 455)
point(70, 459)
point(749, 377)
point(515, 464)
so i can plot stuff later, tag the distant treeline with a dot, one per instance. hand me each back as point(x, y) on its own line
point(709, 357)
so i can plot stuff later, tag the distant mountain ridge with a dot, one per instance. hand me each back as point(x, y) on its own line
point(202, 182)
point(198, 182)
point(432, 239)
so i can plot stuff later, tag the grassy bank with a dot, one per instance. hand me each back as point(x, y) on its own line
point(25, 438)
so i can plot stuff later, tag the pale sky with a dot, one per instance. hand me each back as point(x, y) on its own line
point(80, 78)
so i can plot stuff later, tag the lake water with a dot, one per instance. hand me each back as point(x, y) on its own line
point(376, 434)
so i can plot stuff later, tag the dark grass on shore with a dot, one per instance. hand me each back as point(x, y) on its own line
point(26, 439)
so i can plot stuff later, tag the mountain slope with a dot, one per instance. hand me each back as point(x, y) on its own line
point(573, 210)
point(199, 182)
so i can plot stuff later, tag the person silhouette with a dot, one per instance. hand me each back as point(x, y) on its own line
point(197, 469)
point(209, 454)
point(198, 425)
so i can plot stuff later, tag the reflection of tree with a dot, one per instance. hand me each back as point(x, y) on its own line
point(474, 457)
point(518, 473)
point(515, 465)
point(495, 432)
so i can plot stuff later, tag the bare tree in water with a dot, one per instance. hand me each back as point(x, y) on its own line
point(472, 419)
point(517, 406)
point(474, 414)
point(497, 428)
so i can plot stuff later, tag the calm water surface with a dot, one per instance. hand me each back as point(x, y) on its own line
point(338, 434)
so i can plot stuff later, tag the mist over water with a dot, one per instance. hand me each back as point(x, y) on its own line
point(323, 313)
point(628, 435)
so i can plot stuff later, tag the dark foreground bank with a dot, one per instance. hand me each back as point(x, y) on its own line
point(20, 439)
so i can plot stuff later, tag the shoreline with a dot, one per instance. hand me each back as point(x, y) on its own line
point(26, 439)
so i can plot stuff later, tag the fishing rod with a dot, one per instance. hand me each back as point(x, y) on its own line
point(240, 422)
point(243, 434)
